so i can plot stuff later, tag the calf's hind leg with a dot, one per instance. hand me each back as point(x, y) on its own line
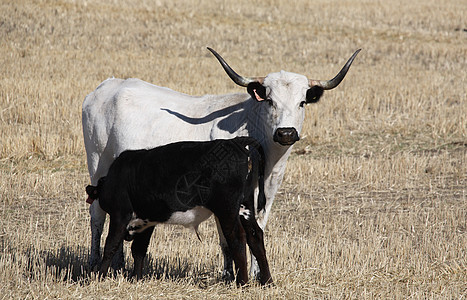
point(138, 250)
point(117, 231)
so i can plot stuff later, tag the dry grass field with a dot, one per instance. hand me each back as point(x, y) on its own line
point(373, 203)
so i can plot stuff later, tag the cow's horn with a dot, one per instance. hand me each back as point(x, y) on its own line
point(330, 84)
point(240, 80)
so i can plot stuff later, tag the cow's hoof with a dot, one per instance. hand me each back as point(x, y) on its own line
point(255, 275)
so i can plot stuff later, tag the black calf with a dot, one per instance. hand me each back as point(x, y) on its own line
point(184, 183)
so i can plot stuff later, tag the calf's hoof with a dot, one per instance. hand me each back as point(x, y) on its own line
point(118, 262)
point(267, 282)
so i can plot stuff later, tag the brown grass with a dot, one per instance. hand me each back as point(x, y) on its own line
point(373, 204)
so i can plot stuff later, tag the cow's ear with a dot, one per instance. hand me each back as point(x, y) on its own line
point(313, 94)
point(257, 91)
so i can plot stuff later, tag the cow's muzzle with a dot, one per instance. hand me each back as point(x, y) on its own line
point(286, 136)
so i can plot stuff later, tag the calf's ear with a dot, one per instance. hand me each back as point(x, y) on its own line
point(257, 91)
point(313, 94)
point(92, 192)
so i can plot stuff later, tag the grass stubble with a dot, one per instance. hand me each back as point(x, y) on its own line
point(373, 203)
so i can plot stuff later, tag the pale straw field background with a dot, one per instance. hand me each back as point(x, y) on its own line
point(373, 203)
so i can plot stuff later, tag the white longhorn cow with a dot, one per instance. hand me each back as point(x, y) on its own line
point(132, 114)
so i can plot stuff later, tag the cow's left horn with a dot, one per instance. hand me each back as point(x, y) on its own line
point(330, 84)
point(240, 80)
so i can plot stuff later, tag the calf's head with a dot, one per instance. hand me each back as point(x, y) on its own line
point(94, 191)
point(284, 96)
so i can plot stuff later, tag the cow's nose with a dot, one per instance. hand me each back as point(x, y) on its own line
point(286, 136)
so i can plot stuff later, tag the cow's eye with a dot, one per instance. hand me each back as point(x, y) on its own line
point(302, 103)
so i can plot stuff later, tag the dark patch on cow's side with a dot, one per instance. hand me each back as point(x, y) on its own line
point(257, 91)
point(313, 94)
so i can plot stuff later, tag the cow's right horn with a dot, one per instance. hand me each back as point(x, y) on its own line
point(330, 84)
point(240, 80)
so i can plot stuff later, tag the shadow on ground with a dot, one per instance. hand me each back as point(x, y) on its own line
point(71, 265)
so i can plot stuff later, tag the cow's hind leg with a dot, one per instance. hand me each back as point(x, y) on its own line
point(117, 231)
point(138, 250)
point(97, 226)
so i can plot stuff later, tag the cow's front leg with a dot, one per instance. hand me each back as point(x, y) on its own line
point(227, 273)
point(254, 268)
point(97, 226)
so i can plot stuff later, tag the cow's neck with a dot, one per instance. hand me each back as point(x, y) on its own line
point(277, 154)
point(276, 162)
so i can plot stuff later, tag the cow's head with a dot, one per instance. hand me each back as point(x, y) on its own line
point(285, 95)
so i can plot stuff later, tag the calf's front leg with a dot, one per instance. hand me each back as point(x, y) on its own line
point(235, 237)
point(255, 240)
point(227, 273)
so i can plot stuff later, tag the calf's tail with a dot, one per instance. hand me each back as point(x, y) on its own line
point(261, 195)
point(260, 157)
